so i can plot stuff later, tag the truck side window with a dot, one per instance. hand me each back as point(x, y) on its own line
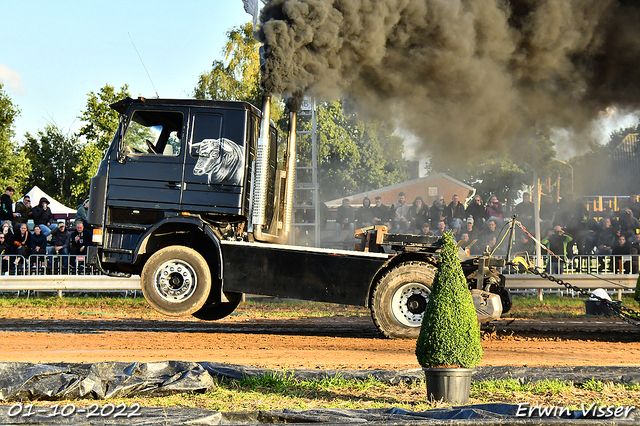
point(154, 133)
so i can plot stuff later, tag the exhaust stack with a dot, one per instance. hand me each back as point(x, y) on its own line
point(261, 176)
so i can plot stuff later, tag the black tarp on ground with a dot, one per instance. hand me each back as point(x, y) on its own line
point(27, 382)
point(69, 381)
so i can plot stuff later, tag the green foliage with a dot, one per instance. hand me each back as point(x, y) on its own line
point(237, 79)
point(102, 121)
point(450, 335)
point(14, 168)
point(353, 155)
point(54, 157)
point(88, 161)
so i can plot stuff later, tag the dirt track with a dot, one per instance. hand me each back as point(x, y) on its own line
point(323, 343)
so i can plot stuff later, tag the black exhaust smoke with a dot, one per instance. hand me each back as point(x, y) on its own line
point(460, 74)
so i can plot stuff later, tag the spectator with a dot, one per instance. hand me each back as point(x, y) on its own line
point(8, 234)
point(43, 217)
point(5, 249)
point(557, 241)
point(400, 213)
point(621, 248)
point(38, 241)
point(525, 211)
point(548, 208)
point(525, 244)
point(606, 237)
point(80, 239)
point(21, 243)
point(455, 214)
point(470, 229)
point(61, 240)
point(490, 231)
point(345, 218)
point(364, 215)
point(438, 211)
point(477, 211)
point(418, 214)
point(442, 228)
point(380, 212)
point(628, 223)
point(494, 209)
point(23, 208)
point(464, 238)
point(81, 214)
point(6, 206)
point(426, 229)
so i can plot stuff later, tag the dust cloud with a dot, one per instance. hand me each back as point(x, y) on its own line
point(462, 75)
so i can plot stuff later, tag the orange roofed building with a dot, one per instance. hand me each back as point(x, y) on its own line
point(426, 187)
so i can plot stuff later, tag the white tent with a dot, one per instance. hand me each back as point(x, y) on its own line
point(58, 209)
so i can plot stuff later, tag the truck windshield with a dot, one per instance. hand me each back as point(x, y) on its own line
point(153, 133)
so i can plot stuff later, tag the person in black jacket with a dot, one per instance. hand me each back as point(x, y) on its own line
point(381, 214)
point(61, 240)
point(6, 206)
point(38, 241)
point(418, 215)
point(477, 211)
point(455, 214)
point(43, 217)
point(80, 239)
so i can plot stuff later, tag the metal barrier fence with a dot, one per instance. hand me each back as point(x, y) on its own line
point(589, 264)
point(58, 272)
point(44, 264)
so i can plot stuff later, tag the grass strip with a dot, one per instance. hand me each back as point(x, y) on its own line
point(280, 390)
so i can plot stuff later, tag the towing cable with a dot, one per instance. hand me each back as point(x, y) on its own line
point(627, 315)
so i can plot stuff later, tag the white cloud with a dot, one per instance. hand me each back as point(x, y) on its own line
point(11, 79)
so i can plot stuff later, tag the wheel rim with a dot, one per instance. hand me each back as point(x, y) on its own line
point(175, 281)
point(409, 302)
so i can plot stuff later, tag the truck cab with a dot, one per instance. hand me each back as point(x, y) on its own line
point(169, 161)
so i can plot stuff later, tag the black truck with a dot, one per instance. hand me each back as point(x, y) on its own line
point(189, 195)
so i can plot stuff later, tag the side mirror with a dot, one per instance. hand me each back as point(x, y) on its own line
point(123, 154)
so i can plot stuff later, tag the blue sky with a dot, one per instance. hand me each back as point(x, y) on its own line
point(53, 53)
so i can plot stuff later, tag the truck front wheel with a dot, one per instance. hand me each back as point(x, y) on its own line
point(400, 298)
point(176, 281)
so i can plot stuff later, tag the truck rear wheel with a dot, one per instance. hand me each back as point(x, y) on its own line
point(176, 281)
point(219, 310)
point(400, 298)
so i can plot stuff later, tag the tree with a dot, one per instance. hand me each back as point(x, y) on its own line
point(53, 156)
point(14, 168)
point(449, 335)
point(237, 79)
point(102, 121)
point(101, 124)
point(353, 155)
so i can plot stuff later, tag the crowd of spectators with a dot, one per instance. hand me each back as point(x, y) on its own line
point(567, 227)
point(46, 236)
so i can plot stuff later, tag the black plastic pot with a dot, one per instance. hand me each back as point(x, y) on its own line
point(449, 384)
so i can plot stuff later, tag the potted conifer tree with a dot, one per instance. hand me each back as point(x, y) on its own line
point(449, 344)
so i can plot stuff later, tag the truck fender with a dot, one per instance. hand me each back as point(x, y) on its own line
point(192, 221)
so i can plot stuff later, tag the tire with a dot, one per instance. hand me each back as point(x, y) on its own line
point(216, 311)
point(176, 281)
point(400, 297)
